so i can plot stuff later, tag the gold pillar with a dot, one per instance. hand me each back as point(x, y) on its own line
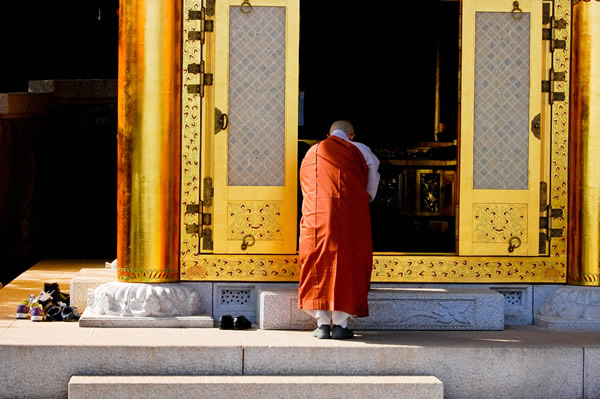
point(149, 140)
point(584, 144)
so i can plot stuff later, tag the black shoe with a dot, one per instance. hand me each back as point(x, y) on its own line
point(226, 322)
point(57, 295)
point(54, 314)
point(51, 296)
point(322, 332)
point(241, 323)
point(70, 313)
point(341, 333)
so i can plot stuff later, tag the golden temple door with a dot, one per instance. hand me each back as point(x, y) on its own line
point(249, 128)
point(502, 120)
point(240, 146)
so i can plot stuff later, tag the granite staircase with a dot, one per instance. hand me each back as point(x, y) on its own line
point(252, 387)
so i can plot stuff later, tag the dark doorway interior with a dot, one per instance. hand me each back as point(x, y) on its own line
point(376, 67)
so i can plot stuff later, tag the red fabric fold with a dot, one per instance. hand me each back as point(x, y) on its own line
point(336, 250)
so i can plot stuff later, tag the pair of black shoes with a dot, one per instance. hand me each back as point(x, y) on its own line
point(62, 313)
point(228, 322)
point(324, 331)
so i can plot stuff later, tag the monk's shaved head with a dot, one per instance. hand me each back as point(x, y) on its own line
point(345, 126)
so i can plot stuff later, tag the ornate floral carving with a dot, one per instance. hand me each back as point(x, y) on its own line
point(433, 313)
point(499, 222)
point(429, 192)
point(432, 269)
point(573, 303)
point(243, 268)
point(126, 299)
point(191, 133)
point(262, 219)
point(560, 131)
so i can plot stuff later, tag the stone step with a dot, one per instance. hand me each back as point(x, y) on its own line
point(239, 387)
point(395, 309)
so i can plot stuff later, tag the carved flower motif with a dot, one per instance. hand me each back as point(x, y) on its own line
point(453, 312)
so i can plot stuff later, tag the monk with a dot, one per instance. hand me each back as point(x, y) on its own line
point(339, 178)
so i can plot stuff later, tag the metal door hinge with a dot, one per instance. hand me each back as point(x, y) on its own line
point(546, 224)
point(205, 79)
point(207, 239)
point(192, 228)
point(543, 243)
point(204, 219)
point(546, 13)
point(546, 220)
point(543, 196)
point(206, 25)
point(208, 192)
point(192, 208)
point(550, 34)
point(548, 86)
point(210, 7)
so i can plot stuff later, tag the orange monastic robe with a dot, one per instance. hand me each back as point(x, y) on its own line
point(336, 251)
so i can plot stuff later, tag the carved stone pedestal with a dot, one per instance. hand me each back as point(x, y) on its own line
point(571, 308)
point(120, 304)
point(396, 309)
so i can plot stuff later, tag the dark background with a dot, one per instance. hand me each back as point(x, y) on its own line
point(58, 195)
point(374, 65)
point(57, 39)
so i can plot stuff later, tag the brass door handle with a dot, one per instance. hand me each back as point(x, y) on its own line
point(248, 241)
point(221, 120)
point(246, 7)
point(516, 12)
point(513, 243)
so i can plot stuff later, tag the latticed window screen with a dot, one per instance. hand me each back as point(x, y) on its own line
point(501, 134)
point(257, 97)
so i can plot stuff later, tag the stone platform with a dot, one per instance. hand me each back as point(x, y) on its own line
point(252, 387)
point(395, 309)
point(275, 306)
point(519, 362)
point(93, 320)
point(39, 359)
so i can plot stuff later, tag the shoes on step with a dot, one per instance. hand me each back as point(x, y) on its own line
point(36, 312)
point(62, 313)
point(70, 313)
point(322, 332)
point(57, 295)
point(51, 296)
point(240, 322)
point(341, 333)
point(226, 322)
point(54, 314)
point(23, 308)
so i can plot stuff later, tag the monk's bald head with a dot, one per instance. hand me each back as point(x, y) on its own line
point(344, 126)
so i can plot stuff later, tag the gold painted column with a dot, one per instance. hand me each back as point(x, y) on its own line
point(584, 144)
point(149, 140)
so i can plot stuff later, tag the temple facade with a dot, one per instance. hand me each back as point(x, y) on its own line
point(482, 120)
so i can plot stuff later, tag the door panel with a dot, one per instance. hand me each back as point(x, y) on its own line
point(255, 156)
point(499, 154)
